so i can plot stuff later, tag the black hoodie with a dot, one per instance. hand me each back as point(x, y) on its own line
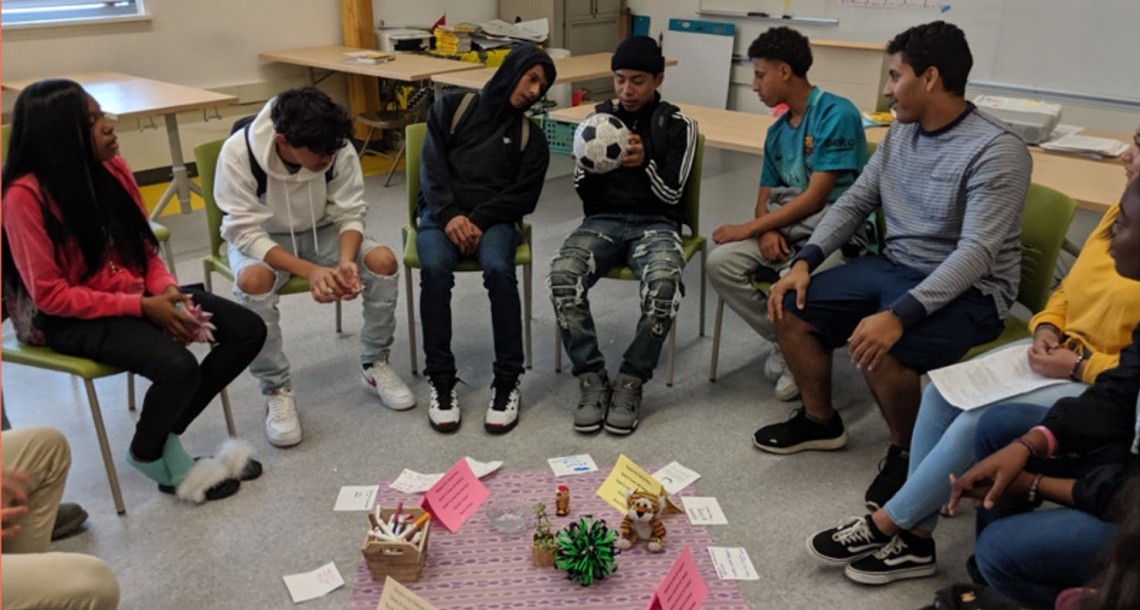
point(479, 170)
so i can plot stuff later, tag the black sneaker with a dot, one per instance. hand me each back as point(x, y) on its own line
point(801, 434)
point(443, 407)
point(854, 538)
point(503, 412)
point(892, 474)
point(905, 556)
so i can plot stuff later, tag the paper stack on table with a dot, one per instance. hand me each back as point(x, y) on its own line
point(1086, 145)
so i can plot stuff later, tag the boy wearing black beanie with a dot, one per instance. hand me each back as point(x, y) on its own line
point(633, 218)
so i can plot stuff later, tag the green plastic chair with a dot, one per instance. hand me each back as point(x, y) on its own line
point(1044, 223)
point(524, 254)
point(691, 244)
point(216, 261)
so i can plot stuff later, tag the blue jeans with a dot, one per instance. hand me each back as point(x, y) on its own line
point(438, 259)
point(943, 443)
point(1028, 555)
point(651, 247)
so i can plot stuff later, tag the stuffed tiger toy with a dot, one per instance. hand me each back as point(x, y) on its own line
point(641, 521)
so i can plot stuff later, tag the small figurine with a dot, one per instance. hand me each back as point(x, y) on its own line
point(641, 521)
point(544, 543)
point(562, 501)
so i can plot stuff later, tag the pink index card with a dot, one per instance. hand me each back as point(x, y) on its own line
point(682, 588)
point(455, 496)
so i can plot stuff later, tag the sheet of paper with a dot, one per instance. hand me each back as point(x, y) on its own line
point(987, 379)
point(682, 588)
point(311, 585)
point(455, 497)
point(399, 597)
point(704, 511)
point(732, 563)
point(572, 464)
point(413, 482)
point(625, 476)
point(1086, 144)
point(356, 497)
point(675, 477)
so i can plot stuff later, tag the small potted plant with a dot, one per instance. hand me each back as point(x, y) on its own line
point(544, 543)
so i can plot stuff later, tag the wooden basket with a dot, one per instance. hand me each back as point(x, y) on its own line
point(402, 561)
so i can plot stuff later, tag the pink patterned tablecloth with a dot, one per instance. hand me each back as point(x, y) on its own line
point(478, 568)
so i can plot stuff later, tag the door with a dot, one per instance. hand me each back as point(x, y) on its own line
point(607, 7)
point(593, 36)
point(578, 9)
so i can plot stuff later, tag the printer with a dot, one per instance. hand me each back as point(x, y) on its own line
point(403, 39)
point(1033, 120)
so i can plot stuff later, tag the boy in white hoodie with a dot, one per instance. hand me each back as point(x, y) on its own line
point(292, 192)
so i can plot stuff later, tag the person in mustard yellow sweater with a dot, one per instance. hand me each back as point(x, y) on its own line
point(1080, 333)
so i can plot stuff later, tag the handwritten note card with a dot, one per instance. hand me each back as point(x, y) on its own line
point(399, 597)
point(455, 497)
point(356, 497)
point(732, 563)
point(682, 588)
point(572, 464)
point(676, 477)
point(704, 511)
point(626, 475)
point(311, 585)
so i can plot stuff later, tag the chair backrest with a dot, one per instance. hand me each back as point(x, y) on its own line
point(414, 135)
point(1044, 223)
point(206, 158)
point(691, 198)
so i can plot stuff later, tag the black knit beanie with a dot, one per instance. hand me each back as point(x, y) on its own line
point(639, 53)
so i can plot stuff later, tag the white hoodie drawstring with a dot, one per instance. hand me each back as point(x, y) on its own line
point(313, 219)
point(289, 207)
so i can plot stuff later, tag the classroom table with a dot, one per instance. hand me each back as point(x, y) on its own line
point(406, 67)
point(570, 70)
point(1095, 184)
point(123, 96)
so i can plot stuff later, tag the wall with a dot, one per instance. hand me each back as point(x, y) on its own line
point(423, 13)
point(741, 97)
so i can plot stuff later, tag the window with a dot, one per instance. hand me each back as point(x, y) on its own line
point(66, 12)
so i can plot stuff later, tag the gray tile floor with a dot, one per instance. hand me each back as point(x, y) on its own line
point(232, 554)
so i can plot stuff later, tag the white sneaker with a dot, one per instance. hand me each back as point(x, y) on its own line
point(786, 388)
point(774, 366)
point(503, 412)
point(383, 381)
point(443, 407)
point(281, 423)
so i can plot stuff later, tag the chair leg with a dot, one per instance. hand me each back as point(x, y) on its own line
point(168, 251)
point(716, 339)
point(338, 318)
point(527, 303)
point(411, 319)
point(231, 429)
point(131, 404)
point(704, 255)
point(672, 351)
point(207, 277)
point(367, 141)
point(104, 446)
point(395, 162)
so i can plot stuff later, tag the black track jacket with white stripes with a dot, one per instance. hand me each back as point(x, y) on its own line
point(657, 185)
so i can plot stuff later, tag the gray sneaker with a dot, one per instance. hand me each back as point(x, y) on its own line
point(591, 412)
point(625, 406)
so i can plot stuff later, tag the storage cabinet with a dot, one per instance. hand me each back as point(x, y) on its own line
point(582, 26)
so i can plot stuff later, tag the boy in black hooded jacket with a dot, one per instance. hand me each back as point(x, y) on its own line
point(482, 171)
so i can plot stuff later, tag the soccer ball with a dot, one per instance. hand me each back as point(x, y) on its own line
point(600, 142)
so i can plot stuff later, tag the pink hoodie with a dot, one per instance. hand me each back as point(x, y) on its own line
point(53, 284)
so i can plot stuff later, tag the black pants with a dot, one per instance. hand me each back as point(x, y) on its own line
point(181, 386)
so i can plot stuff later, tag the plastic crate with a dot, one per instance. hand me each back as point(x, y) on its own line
point(559, 135)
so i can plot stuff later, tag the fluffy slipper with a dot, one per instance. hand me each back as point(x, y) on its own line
point(207, 480)
point(237, 457)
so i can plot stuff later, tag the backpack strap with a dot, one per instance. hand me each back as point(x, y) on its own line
point(525, 134)
point(464, 104)
point(254, 166)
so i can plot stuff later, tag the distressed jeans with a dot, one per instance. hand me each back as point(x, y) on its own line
point(651, 247)
point(271, 367)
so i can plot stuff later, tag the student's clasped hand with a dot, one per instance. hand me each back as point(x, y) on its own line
point(163, 312)
point(350, 277)
point(325, 284)
point(873, 338)
point(634, 152)
point(15, 501)
point(991, 476)
point(773, 247)
point(796, 280)
point(464, 234)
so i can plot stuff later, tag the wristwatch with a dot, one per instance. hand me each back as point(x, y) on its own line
point(1075, 374)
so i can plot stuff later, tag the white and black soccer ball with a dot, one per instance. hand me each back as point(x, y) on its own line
point(600, 142)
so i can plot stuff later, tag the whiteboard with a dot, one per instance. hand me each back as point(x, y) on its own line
point(702, 77)
point(1085, 48)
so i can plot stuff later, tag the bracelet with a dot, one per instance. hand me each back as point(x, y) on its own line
point(1034, 498)
point(1050, 440)
point(1075, 374)
point(1028, 445)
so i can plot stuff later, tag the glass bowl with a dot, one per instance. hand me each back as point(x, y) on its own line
point(508, 516)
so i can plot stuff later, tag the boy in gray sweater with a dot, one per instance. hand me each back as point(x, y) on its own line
point(951, 182)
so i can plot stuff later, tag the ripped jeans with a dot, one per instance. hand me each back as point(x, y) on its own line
point(651, 247)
